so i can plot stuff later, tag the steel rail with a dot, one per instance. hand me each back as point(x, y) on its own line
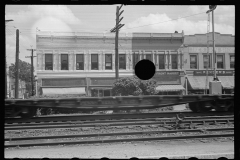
point(119, 140)
point(116, 134)
point(113, 116)
point(164, 122)
point(111, 121)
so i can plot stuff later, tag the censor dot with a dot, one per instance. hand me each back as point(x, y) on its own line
point(145, 69)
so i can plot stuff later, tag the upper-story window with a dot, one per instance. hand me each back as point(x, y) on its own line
point(108, 61)
point(48, 61)
point(220, 61)
point(136, 58)
point(149, 57)
point(161, 61)
point(206, 61)
point(174, 61)
point(193, 61)
point(122, 61)
point(79, 61)
point(232, 61)
point(64, 61)
point(94, 61)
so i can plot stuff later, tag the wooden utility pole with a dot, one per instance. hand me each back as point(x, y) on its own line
point(32, 78)
point(16, 64)
point(6, 61)
point(116, 29)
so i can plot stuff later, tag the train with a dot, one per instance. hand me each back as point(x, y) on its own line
point(27, 108)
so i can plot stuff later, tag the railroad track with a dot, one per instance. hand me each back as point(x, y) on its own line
point(115, 116)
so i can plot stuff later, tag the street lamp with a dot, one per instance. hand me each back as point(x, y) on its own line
point(6, 61)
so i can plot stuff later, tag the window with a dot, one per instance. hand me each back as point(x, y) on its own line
point(136, 58)
point(64, 61)
point(161, 61)
point(220, 61)
point(94, 61)
point(193, 61)
point(108, 61)
point(206, 61)
point(149, 57)
point(122, 61)
point(79, 62)
point(232, 61)
point(48, 62)
point(174, 61)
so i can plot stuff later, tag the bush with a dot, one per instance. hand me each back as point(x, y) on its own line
point(134, 86)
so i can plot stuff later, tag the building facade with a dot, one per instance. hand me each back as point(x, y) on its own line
point(84, 63)
point(199, 61)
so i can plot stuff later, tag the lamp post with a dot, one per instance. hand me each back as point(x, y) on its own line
point(6, 61)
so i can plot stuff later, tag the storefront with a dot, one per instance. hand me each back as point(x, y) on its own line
point(101, 87)
point(198, 83)
point(170, 82)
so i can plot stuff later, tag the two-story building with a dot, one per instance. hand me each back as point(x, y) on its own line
point(199, 61)
point(84, 63)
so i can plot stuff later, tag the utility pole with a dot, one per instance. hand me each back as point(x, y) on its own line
point(116, 29)
point(32, 78)
point(16, 64)
point(211, 9)
point(6, 61)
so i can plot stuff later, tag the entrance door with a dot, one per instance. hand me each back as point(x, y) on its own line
point(106, 93)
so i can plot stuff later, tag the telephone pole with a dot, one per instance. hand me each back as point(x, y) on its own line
point(16, 64)
point(32, 78)
point(6, 60)
point(116, 29)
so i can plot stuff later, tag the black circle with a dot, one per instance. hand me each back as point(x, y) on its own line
point(145, 69)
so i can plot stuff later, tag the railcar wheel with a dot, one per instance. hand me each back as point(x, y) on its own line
point(206, 106)
point(224, 105)
point(193, 107)
point(27, 112)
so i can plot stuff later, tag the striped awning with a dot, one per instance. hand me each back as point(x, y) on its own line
point(78, 90)
point(227, 81)
point(199, 82)
point(165, 88)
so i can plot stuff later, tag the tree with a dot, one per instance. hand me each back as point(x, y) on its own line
point(24, 73)
point(134, 86)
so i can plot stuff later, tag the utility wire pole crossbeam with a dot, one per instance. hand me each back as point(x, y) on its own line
point(32, 81)
point(116, 29)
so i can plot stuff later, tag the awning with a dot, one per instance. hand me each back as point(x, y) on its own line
point(199, 82)
point(78, 90)
point(227, 81)
point(101, 88)
point(164, 88)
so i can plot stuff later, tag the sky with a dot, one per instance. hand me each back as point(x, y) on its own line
point(192, 19)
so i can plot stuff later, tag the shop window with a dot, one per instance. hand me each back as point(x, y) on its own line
point(94, 61)
point(149, 57)
point(79, 62)
point(136, 58)
point(220, 61)
point(193, 61)
point(122, 61)
point(48, 61)
point(64, 61)
point(161, 61)
point(206, 61)
point(174, 61)
point(108, 61)
point(232, 61)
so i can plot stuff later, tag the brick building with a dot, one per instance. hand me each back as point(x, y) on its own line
point(197, 61)
point(84, 63)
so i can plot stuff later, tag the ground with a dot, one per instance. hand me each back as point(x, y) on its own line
point(150, 149)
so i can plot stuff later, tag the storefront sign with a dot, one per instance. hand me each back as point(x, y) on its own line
point(217, 49)
point(211, 72)
point(164, 73)
point(168, 77)
point(101, 81)
point(67, 82)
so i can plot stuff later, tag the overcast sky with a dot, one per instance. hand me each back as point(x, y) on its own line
point(101, 18)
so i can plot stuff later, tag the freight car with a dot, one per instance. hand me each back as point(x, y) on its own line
point(197, 103)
